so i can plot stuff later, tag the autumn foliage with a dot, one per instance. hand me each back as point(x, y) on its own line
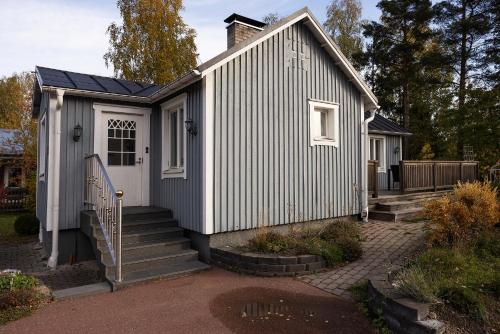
point(460, 217)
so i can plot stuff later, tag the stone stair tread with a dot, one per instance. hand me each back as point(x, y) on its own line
point(126, 260)
point(398, 212)
point(146, 221)
point(151, 243)
point(163, 272)
point(141, 210)
point(100, 236)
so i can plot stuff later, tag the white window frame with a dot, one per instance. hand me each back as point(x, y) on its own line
point(168, 171)
point(383, 156)
point(332, 125)
point(42, 145)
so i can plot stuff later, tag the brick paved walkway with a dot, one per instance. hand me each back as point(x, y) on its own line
point(385, 246)
point(30, 258)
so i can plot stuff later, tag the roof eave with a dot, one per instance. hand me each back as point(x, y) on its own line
point(103, 95)
point(379, 132)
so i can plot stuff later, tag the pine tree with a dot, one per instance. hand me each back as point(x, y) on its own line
point(465, 26)
point(403, 59)
point(154, 44)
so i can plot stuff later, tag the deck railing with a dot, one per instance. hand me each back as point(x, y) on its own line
point(101, 197)
point(373, 177)
point(428, 175)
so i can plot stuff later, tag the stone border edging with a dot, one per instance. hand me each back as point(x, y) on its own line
point(266, 264)
point(402, 315)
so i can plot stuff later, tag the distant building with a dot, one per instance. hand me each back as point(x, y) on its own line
point(11, 154)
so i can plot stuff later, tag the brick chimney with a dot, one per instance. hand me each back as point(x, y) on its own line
point(240, 28)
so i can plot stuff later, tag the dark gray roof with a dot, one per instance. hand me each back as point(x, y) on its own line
point(380, 124)
point(65, 79)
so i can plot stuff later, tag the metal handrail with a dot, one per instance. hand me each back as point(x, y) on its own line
point(100, 196)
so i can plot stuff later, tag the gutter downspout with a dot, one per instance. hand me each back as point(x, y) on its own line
point(364, 165)
point(56, 156)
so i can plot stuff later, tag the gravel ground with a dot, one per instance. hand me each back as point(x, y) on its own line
point(214, 301)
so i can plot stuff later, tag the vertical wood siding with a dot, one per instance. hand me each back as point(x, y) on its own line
point(75, 110)
point(265, 171)
point(182, 196)
point(391, 158)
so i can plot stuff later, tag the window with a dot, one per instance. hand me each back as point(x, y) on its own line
point(174, 138)
point(324, 123)
point(14, 177)
point(42, 146)
point(121, 142)
point(377, 151)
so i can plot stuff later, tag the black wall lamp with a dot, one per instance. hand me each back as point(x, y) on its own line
point(396, 150)
point(77, 132)
point(191, 127)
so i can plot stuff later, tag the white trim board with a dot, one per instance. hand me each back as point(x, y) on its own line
point(167, 173)
point(99, 109)
point(208, 154)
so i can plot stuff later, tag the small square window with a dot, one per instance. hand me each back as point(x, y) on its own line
point(324, 125)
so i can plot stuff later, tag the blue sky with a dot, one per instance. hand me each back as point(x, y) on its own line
point(71, 35)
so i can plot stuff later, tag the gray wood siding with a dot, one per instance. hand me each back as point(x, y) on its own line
point(182, 196)
point(265, 171)
point(391, 158)
point(75, 110)
point(41, 186)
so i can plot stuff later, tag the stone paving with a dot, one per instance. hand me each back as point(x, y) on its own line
point(385, 246)
point(30, 258)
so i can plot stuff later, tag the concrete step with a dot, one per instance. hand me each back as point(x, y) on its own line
point(136, 225)
point(397, 206)
point(141, 263)
point(141, 236)
point(394, 216)
point(138, 212)
point(82, 291)
point(151, 248)
point(407, 197)
point(176, 270)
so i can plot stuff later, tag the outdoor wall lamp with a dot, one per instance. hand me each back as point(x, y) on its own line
point(191, 127)
point(396, 150)
point(77, 132)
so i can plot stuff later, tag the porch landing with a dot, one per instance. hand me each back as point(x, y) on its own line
point(393, 206)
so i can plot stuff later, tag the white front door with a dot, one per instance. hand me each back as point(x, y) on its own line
point(124, 152)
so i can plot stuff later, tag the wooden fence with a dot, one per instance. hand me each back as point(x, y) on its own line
point(13, 199)
point(435, 175)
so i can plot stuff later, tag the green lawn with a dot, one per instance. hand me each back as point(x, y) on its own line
point(7, 233)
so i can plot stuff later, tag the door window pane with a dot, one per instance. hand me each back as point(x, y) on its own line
point(121, 149)
point(324, 117)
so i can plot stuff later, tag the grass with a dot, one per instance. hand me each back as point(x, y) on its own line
point(19, 296)
point(466, 279)
point(336, 241)
point(7, 233)
point(359, 292)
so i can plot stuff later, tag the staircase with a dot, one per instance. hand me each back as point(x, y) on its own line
point(153, 247)
point(393, 208)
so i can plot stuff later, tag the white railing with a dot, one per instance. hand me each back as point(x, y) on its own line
point(101, 197)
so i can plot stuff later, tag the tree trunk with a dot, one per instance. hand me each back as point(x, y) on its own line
point(462, 83)
point(406, 120)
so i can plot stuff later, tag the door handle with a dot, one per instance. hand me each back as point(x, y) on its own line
point(139, 161)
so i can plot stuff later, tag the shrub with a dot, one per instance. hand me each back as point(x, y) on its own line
point(26, 225)
point(460, 217)
point(464, 300)
point(13, 282)
point(337, 242)
point(412, 282)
